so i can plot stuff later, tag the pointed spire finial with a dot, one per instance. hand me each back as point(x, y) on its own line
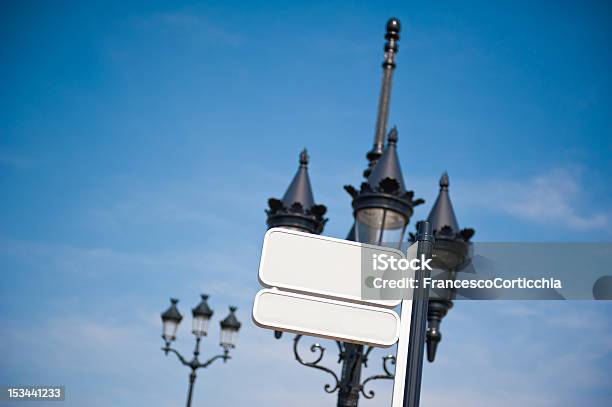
point(433, 339)
point(300, 190)
point(436, 310)
point(385, 186)
point(297, 209)
point(442, 215)
point(444, 180)
point(392, 136)
point(393, 25)
point(392, 36)
point(304, 157)
point(388, 165)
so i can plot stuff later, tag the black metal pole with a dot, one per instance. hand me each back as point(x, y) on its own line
point(418, 322)
point(391, 48)
point(352, 357)
point(194, 366)
point(192, 378)
point(350, 380)
point(383, 103)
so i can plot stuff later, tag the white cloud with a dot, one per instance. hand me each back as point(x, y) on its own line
point(553, 197)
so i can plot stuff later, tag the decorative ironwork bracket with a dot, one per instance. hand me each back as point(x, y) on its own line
point(316, 347)
point(331, 388)
point(388, 375)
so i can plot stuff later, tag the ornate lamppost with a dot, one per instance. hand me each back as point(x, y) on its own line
point(171, 318)
point(382, 208)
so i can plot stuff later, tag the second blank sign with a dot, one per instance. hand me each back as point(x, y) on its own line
point(276, 309)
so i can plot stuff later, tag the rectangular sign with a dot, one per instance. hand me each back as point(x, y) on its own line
point(320, 265)
point(326, 318)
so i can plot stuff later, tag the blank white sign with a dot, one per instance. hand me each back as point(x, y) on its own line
point(327, 318)
point(318, 264)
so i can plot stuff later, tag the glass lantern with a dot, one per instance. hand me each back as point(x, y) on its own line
point(229, 330)
point(171, 318)
point(201, 317)
point(380, 226)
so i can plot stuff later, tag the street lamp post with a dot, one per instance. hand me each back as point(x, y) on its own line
point(171, 318)
point(382, 208)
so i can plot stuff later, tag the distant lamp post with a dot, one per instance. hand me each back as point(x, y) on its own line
point(229, 330)
point(202, 314)
point(171, 318)
point(450, 254)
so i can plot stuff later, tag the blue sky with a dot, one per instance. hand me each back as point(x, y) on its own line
point(139, 143)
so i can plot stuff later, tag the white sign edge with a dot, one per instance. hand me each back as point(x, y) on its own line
point(401, 354)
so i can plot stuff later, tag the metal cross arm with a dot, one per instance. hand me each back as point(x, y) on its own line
point(195, 363)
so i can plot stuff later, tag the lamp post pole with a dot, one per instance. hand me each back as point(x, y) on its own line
point(350, 380)
point(195, 365)
point(391, 48)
